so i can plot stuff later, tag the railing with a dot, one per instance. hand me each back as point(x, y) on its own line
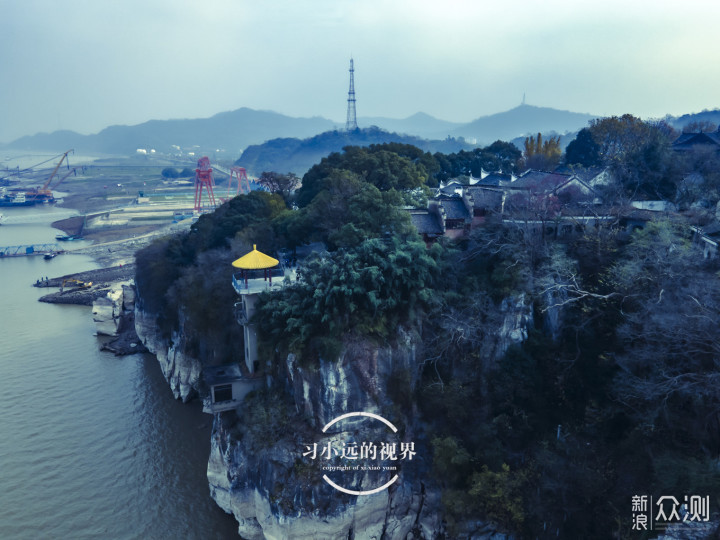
point(30, 249)
point(258, 281)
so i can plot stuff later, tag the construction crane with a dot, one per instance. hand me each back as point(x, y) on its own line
point(44, 193)
point(71, 171)
point(243, 184)
point(204, 180)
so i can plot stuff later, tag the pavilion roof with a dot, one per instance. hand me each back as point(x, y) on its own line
point(255, 260)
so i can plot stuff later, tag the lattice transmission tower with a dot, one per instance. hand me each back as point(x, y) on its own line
point(351, 122)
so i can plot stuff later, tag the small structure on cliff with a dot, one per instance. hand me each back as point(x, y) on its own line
point(256, 274)
point(227, 386)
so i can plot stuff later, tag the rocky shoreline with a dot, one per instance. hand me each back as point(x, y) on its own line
point(102, 279)
point(112, 297)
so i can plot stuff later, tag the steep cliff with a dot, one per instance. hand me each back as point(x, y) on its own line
point(180, 369)
point(278, 492)
point(517, 318)
point(108, 310)
point(114, 316)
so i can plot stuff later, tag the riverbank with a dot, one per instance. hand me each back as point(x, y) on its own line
point(104, 450)
point(102, 281)
point(92, 446)
point(117, 245)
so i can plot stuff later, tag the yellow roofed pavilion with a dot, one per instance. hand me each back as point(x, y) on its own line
point(255, 260)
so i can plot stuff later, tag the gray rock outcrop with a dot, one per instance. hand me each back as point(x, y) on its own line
point(114, 316)
point(278, 494)
point(181, 370)
point(275, 492)
point(108, 310)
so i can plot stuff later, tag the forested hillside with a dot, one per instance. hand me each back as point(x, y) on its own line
point(298, 155)
point(613, 390)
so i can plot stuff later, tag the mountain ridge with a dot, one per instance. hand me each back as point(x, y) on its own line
point(234, 131)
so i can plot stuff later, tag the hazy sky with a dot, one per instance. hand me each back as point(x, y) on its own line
point(86, 64)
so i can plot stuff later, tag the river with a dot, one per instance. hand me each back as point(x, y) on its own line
point(91, 445)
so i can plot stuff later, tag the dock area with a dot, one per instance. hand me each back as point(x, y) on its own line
point(29, 249)
point(102, 281)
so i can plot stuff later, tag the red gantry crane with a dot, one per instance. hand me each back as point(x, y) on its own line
point(204, 180)
point(243, 184)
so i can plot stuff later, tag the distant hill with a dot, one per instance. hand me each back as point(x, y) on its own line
point(231, 131)
point(521, 121)
point(243, 128)
point(679, 122)
point(297, 156)
point(419, 124)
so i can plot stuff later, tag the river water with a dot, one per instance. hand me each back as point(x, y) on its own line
point(91, 445)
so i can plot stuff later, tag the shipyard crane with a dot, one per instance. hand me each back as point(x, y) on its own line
point(44, 193)
point(204, 180)
point(45, 189)
point(243, 184)
point(71, 171)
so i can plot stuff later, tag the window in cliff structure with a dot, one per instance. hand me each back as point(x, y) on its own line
point(223, 392)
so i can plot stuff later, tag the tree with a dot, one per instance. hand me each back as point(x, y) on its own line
point(618, 136)
point(669, 359)
point(701, 181)
point(377, 165)
point(255, 209)
point(170, 172)
point(200, 295)
point(700, 126)
point(369, 289)
point(541, 154)
point(284, 184)
point(499, 156)
point(349, 210)
point(583, 150)
point(639, 155)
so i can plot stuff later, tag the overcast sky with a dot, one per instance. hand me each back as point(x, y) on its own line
point(87, 64)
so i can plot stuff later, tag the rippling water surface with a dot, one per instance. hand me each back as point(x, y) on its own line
point(91, 445)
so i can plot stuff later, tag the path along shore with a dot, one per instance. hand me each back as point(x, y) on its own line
point(115, 250)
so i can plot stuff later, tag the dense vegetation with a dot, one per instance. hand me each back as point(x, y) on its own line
point(184, 279)
point(564, 429)
point(614, 393)
point(298, 155)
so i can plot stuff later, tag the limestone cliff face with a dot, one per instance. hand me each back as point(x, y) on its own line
point(180, 369)
point(358, 381)
point(554, 316)
point(108, 310)
point(277, 493)
point(517, 319)
point(114, 315)
point(271, 500)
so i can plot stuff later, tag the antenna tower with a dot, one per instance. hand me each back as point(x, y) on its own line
point(351, 122)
